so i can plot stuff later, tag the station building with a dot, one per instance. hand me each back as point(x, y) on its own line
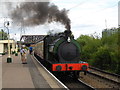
point(4, 46)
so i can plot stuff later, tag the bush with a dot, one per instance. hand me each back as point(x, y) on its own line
point(104, 52)
point(102, 58)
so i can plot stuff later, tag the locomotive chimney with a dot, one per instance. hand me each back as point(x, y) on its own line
point(68, 33)
point(67, 24)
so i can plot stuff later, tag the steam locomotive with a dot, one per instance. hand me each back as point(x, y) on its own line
point(62, 53)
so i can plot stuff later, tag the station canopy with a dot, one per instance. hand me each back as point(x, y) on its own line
point(31, 39)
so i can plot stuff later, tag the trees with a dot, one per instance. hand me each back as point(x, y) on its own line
point(102, 58)
point(3, 35)
point(118, 53)
point(89, 45)
point(103, 52)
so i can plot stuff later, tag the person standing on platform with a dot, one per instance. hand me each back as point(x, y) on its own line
point(30, 49)
point(23, 55)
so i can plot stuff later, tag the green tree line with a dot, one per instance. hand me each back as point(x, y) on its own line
point(3, 35)
point(103, 53)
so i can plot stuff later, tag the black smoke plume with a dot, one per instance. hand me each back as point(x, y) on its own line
point(36, 13)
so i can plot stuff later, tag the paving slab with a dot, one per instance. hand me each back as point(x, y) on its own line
point(15, 74)
point(30, 75)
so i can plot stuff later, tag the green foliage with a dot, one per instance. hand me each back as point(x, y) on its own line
point(88, 45)
point(3, 35)
point(104, 52)
point(102, 58)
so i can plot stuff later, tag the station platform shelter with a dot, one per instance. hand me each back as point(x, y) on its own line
point(4, 46)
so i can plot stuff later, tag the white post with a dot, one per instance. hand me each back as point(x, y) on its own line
point(8, 47)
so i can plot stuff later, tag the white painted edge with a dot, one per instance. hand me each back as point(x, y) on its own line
point(1, 73)
point(86, 84)
point(50, 73)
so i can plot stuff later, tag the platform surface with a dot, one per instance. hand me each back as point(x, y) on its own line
point(30, 75)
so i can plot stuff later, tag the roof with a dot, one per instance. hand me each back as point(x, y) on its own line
point(32, 39)
point(6, 41)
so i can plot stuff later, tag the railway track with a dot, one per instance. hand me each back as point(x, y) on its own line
point(70, 82)
point(59, 83)
point(95, 78)
point(114, 77)
point(73, 83)
point(101, 79)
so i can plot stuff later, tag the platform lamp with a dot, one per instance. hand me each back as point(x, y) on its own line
point(9, 59)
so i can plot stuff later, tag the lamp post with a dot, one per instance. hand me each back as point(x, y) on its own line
point(9, 59)
point(2, 34)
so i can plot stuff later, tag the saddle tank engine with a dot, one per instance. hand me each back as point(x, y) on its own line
point(62, 53)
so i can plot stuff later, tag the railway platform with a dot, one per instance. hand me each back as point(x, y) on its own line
point(30, 75)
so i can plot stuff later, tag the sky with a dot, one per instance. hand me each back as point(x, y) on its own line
point(87, 17)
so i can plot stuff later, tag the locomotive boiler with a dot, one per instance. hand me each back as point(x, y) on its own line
point(62, 53)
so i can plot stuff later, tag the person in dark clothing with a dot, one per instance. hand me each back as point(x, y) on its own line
point(30, 50)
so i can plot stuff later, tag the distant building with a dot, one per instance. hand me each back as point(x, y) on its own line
point(108, 32)
point(4, 46)
point(119, 14)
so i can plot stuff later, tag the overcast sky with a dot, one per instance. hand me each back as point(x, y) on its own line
point(87, 17)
